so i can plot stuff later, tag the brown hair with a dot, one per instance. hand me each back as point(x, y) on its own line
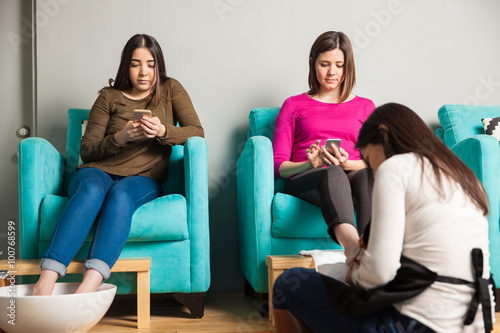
point(403, 131)
point(122, 81)
point(328, 41)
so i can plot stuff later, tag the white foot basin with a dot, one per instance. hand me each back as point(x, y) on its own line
point(64, 311)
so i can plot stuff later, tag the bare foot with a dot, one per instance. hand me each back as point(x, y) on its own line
point(45, 284)
point(91, 281)
point(347, 236)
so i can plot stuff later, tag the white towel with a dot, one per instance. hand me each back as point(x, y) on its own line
point(329, 262)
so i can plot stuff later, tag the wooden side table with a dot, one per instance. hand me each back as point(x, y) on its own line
point(277, 265)
point(139, 265)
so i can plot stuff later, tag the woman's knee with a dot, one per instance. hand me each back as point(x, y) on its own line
point(335, 181)
point(134, 191)
point(94, 185)
point(335, 174)
point(335, 171)
point(120, 196)
point(288, 284)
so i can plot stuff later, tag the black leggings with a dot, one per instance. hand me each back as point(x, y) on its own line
point(336, 193)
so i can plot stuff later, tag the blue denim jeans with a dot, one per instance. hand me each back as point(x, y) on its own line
point(303, 292)
point(94, 193)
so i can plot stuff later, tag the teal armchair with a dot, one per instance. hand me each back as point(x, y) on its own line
point(269, 221)
point(463, 132)
point(173, 229)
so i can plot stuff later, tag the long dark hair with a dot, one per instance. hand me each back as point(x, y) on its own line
point(122, 81)
point(400, 130)
point(328, 41)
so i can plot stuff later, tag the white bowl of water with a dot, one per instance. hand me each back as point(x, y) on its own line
point(63, 311)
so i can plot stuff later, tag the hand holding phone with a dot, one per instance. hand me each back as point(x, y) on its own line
point(329, 142)
point(139, 113)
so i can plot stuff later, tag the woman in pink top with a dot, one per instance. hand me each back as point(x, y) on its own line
point(335, 181)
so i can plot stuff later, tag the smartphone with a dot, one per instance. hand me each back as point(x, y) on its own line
point(139, 113)
point(328, 144)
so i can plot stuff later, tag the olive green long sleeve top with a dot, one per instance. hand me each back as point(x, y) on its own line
point(111, 112)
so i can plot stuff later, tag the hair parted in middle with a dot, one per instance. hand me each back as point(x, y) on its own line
point(122, 80)
point(328, 41)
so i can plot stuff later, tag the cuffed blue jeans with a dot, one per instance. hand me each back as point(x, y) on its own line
point(303, 292)
point(114, 199)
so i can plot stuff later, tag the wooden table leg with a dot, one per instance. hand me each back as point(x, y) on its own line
point(272, 276)
point(276, 265)
point(143, 299)
point(270, 282)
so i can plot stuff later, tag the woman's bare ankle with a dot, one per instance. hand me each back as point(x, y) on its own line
point(45, 284)
point(92, 279)
point(42, 290)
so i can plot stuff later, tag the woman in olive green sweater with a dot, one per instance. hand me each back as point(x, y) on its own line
point(124, 163)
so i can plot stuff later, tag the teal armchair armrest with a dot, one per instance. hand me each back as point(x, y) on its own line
point(196, 187)
point(482, 154)
point(41, 172)
point(255, 190)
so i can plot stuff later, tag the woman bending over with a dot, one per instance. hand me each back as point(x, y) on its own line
point(429, 207)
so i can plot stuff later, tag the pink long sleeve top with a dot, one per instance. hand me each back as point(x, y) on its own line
point(302, 120)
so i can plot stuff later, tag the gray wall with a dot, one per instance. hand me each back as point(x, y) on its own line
point(233, 55)
point(15, 104)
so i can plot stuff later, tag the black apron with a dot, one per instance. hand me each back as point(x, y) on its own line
point(411, 279)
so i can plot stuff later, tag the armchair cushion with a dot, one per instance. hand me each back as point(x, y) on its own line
point(492, 127)
point(296, 218)
point(462, 121)
point(148, 221)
